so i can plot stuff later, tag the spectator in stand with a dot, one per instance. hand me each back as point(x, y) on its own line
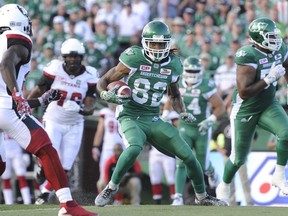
point(225, 79)
point(45, 9)
point(221, 16)
point(61, 11)
point(46, 56)
point(228, 25)
point(108, 14)
point(188, 45)
point(200, 11)
point(82, 28)
point(188, 18)
point(263, 8)
point(131, 182)
point(219, 47)
point(234, 46)
point(128, 35)
point(282, 8)
point(214, 59)
point(199, 33)
point(209, 25)
point(104, 140)
point(141, 8)
point(167, 9)
point(177, 29)
point(17, 162)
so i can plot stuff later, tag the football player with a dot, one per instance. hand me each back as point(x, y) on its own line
point(15, 111)
point(202, 100)
point(63, 119)
point(259, 66)
point(105, 138)
point(149, 71)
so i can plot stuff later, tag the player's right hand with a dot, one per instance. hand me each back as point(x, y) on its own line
point(96, 153)
point(111, 97)
point(275, 73)
point(23, 107)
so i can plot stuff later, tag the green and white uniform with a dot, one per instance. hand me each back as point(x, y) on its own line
point(261, 110)
point(196, 101)
point(139, 118)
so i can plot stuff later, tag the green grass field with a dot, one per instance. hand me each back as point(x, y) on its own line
point(147, 210)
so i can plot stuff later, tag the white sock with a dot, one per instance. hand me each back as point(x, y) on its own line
point(25, 192)
point(279, 169)
point(8, 196)
point(113, 186)
point(64, 195)
point(201, 196)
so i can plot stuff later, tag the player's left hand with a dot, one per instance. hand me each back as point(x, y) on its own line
point(23, 107)
point(206, 124)
point(71, 106)
point(49, 96)
point(187, 117)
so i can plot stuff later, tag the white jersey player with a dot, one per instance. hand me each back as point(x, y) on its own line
point(63, 119)
point(160, 164)
point(106, 135)
point(17, 163)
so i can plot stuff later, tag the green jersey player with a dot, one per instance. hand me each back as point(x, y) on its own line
point(259, 66)
point(149, 71)
point(200, 97)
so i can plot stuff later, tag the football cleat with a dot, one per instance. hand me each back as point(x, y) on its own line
point(106, 196)
point(210, 201)
point(223, 191)
point(279, 181)
point(178, 200)
point(71, 208)
point(42, 199)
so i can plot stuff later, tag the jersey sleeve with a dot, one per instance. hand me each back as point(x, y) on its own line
point(244, 56)
point(129, 56)
point(51, 69)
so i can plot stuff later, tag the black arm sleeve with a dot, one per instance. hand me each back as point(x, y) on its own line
point(45, 83)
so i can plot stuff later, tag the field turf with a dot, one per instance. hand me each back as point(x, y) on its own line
point(147, 210)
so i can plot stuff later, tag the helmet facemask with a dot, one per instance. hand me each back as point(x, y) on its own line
point(192, 77)
point(156, 54)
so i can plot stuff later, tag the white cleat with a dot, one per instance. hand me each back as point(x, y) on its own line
point(178, 200)
point(223, 192)
point(106, 196)
point(279, 181)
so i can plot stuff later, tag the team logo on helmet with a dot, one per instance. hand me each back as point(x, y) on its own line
point(261, 26)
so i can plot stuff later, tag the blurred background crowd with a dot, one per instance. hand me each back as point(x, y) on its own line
point(212, 30)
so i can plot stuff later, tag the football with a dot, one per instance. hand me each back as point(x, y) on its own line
point(123, 90)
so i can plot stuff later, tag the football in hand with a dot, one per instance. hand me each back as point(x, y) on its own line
point(123, 90)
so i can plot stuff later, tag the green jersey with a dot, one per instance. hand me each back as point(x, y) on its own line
point(148, 81)
point(196, 99)
point(249, 55)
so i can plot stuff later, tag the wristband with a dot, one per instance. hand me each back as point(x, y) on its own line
point(102, 94)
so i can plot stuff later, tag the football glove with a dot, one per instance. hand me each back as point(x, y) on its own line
point(96, 153)
point(49, 96)
point(71, 106)
point(23, 107)
point(275, 73)
point(206, 124)
point(187, 117)
point(111, 97)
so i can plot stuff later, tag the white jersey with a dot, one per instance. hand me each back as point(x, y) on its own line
point(8, 38)
point(71, 88)
point(111, 135)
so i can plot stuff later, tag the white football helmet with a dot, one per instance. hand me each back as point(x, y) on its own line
point(15, 17)
point(72, 46)
point(193, 70)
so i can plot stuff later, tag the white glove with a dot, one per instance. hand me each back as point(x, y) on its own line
point(206, 124)
point(71, 106)
point(187, 117)
point(275, 73)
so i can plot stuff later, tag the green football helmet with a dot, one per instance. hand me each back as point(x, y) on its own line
point(264, 33)
point(192, 70)
point(156, 32)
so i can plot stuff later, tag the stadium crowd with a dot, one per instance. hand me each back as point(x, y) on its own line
point(208, 29)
